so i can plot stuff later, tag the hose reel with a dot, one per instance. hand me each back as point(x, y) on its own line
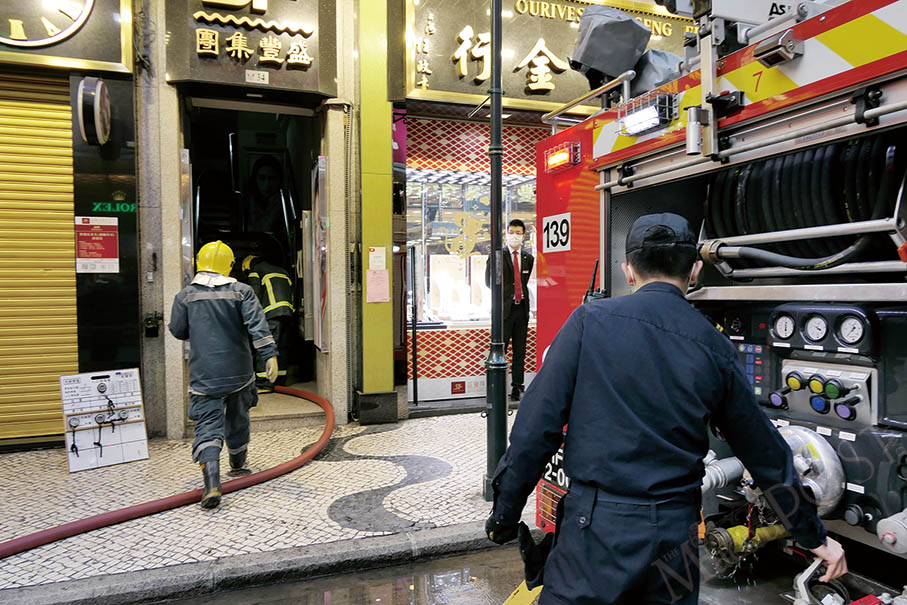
point(810, 210)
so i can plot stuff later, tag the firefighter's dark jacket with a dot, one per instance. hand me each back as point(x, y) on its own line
point(273, 287)
point(638, 379)
point(219, 320)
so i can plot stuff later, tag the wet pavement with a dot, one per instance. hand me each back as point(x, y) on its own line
point(476, 579)
point(369, 481)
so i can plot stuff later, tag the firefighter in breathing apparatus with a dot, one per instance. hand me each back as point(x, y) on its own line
point(274, 289)
point(219, 316)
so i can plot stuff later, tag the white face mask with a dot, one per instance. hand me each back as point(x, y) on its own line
point(514, 239)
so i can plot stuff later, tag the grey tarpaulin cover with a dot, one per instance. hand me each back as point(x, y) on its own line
point(609, 43)
point(653, 69)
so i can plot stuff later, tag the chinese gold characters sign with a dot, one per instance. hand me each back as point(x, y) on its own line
point(273, 43)
point(236, 46)
point(448, 56)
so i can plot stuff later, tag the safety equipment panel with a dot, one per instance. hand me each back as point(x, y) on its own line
point(104, 419)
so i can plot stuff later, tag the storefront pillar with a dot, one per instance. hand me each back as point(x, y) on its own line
point(376, 398)
point(159, 139)
point(332, 367)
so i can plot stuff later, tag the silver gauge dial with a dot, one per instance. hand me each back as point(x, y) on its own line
point(816, 328)
point(784, 326)
point(851, 330)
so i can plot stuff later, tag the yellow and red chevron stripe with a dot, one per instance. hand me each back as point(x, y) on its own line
point(853, 43)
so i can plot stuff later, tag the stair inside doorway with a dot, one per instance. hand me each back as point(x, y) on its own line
point(276, 411)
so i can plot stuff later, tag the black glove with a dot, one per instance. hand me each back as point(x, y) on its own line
point(500, 533)
point(534, 555)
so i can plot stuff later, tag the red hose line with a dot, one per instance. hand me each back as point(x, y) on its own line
point(18, 545)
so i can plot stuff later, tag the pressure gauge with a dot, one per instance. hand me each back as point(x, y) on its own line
point(784, 326)
point(851, 330)
point(73, 422)
point(816, 328)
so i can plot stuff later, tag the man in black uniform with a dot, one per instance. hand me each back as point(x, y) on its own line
point(637, 379)
point(516, 300)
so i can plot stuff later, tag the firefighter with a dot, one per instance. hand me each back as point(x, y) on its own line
point(219, 316)
point(274, 289)
point(637, 380)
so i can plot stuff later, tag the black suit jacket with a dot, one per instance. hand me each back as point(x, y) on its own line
point(526, 261)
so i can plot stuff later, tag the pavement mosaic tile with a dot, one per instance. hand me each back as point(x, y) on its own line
point(368, 481)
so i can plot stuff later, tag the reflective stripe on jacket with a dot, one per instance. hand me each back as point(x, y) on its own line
point(273, 287)
point(219, 321)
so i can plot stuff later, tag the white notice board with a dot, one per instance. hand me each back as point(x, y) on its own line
point(104, 418)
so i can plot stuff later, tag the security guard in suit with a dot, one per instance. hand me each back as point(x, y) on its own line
point(637, 379)
point(274, 289)
point(515, 310)
point(219, 317)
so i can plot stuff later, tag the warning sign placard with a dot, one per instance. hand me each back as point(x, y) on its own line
point(97, 244)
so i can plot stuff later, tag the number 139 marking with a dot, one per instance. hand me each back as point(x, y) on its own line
point(556, 233)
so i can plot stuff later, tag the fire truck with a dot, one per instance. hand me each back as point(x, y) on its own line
point(784, 141)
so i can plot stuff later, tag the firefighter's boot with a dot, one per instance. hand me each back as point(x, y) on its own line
point(238, 461)
point(211, 474)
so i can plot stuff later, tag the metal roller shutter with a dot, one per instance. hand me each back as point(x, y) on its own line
point(38, 338)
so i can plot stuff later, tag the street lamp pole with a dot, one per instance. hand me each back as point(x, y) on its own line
point(496, 363)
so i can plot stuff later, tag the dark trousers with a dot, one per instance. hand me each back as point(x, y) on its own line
point(220, 419)
point(516, 326)
point(623, 551)
point(280, 330)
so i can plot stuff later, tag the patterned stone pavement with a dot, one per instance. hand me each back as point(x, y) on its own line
point(369, 481)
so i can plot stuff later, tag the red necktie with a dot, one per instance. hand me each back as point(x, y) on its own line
point(517, 282)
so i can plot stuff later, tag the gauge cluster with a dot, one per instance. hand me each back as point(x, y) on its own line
point(816, 327)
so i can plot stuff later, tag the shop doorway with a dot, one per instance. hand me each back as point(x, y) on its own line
point(252, 186)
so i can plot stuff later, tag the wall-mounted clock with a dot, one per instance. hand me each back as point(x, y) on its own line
point(37, 23)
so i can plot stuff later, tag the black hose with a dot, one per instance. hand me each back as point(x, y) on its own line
point(753, 195)
point(888, 183)
point(818, 246)
point(740, 201)
point(728, 200)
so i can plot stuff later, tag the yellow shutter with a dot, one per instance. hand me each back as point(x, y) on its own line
point(38, 338)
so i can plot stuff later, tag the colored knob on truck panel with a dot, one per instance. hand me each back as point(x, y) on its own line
point(889, 538)
point(834, 389)
point(778, 399)
point(820, 404)
point(845, 412)
point(795, 381)
point(816, 384)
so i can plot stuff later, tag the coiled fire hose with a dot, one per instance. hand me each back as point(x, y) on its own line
point(67, 530)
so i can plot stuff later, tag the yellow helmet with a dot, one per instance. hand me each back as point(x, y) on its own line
point(247, 262)
point(215, 256)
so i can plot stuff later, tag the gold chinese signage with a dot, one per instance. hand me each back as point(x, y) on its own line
point(448, 49)
point(261, 43)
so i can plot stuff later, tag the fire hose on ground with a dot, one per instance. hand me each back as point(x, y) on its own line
point(87, 524)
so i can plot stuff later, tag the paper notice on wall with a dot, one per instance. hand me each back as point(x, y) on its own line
point(377, 286)
point(97, 244)
point(377, 257)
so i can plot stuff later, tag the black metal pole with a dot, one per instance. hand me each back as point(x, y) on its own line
point(412, 272)
point(496, 364)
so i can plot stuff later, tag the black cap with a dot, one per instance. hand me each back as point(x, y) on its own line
point(664, 229)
